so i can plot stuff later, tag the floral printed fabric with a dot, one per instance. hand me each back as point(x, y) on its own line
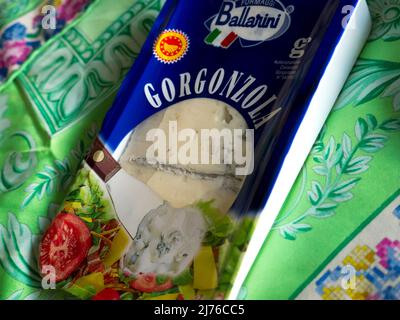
point(343, 210)
point(36, 168)
point(19, 38)
point(386, 15)
point(368, 267)
point(342, 213)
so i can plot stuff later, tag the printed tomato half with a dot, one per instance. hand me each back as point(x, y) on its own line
point(65, 245)
point(148, 283)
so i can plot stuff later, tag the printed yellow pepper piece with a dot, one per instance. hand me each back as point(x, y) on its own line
point(72, 205)
point(87, 219)
point(187, 292)
point(94, 280)
point(119, 244)
point(205, 270)
point(68, 206)
point(76, 205)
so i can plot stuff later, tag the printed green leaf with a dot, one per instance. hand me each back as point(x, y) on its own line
point(318, 159)
point(325, 210)
point(326, 196)
point(394, 91)
point(18, 252)
point(319, 144)
point(220, 226)
point(391, 125)
point(358, 165)
point(83, 293)
point(376, 138)
point(321, 170)
point(361, 129)
point(371, 79)
point(342, 197)
point(183, 279)
point(52, 178)
point(327, 207)
point(372, 122)
point(302, 227)
point(316, 194)
point(346, 146)
point(330, 149)
point(345, 186)
point(373, 143)
point(16, 295)
point(318, 147)
point(331, 156)
point(290, 231)
point(337, 158)
point(287, 233)
point(59, 175)
point(313, 197)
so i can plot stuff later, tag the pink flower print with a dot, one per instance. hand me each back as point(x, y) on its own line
point(15, 52)
point(2, 64)
point(37, 21)
point(70, 8)
point(3, 69)
point(383, 251)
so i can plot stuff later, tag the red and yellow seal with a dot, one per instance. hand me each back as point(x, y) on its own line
point(171, 46)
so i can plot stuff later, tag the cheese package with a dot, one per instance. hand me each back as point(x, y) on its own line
point(201, 147)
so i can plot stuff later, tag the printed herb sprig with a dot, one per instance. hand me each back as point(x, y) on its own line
point(87, 192)
point(51, 178)
point(340, 164)
point(58, 176)
point(369, 80)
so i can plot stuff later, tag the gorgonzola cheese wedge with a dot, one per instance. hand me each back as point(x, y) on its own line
point(202, 179)
point(166, 242)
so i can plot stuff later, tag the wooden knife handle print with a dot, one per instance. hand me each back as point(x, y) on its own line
point(102, 162)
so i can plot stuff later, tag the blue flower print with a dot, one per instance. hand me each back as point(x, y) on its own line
point(17, 31)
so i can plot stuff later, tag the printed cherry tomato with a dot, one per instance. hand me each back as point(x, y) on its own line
point(107, 294)
point(148, 283)
point(65, 245)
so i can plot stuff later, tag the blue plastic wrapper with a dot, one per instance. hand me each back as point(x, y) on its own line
point(209, 131)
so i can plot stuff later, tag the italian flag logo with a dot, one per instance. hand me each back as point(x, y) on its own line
point(218, 38)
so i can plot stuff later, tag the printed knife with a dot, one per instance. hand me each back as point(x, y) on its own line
point(132, 199)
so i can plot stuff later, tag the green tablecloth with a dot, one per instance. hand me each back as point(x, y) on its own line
point(338, 235)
